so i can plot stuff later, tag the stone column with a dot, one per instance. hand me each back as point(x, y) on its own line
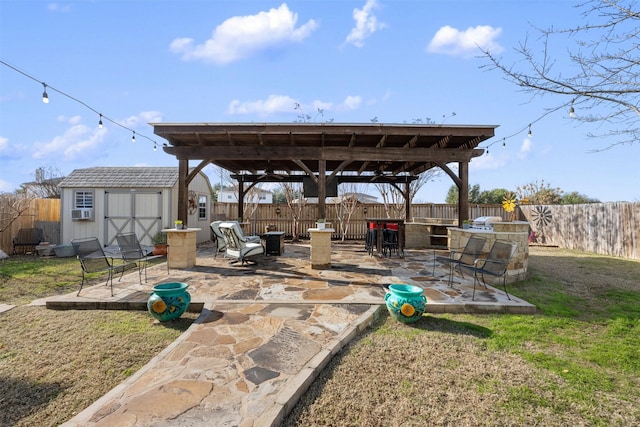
point(182, 247)
point(320, 248)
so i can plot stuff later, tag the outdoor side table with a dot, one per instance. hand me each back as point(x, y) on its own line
point(274, 242)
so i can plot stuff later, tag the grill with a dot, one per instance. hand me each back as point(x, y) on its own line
point(485, 222)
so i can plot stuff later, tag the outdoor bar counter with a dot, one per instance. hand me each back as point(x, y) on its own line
point(516, 231)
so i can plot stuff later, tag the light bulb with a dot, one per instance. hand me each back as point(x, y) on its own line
point(133, 137)
point(572, 112)
point(45, 97)
point(100, 122)
point(529, 133)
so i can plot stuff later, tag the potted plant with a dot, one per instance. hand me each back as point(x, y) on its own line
point(159, 241)
point(466, 224)
point(178, 224)
point(320, 223)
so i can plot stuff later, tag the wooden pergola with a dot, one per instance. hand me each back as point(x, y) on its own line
point(324, 152)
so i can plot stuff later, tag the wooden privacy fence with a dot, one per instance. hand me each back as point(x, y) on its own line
point(41, 213)
point(280, 216)
point(601, 228)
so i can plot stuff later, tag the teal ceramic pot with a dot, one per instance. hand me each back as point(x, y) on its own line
point(405, 302)
point(168, 301)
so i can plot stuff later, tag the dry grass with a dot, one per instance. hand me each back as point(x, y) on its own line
point(53, 364)
point(498, 370)
point(576, 363)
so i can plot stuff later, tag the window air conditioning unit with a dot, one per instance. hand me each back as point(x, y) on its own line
point(83, 213)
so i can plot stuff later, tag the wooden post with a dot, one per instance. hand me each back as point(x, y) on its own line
point(322, 188)
point(463, 192)
point(241, 200)
point(183, 193)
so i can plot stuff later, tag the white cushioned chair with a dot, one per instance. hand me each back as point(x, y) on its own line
point(220, 243)
point(237, 244)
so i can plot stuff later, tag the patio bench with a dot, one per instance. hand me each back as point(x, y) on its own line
point(27, 240)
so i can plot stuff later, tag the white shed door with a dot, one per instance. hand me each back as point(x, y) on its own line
point(134, 211)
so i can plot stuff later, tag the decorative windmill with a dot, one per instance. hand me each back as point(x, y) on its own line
point(541, 217)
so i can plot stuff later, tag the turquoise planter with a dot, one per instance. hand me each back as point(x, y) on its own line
point(405, 302)
point(168, 301)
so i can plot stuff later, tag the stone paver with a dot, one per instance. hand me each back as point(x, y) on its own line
point(264, 334)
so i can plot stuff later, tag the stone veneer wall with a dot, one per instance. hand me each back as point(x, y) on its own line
point(517, 231)
point(417, 234)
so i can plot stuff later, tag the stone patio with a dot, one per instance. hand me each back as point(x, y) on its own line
point(265, 331)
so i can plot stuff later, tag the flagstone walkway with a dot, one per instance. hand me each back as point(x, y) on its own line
point(265, 331)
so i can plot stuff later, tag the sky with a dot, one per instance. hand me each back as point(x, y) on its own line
point(396, 61)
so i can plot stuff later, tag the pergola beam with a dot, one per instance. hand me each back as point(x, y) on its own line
point(371, 154)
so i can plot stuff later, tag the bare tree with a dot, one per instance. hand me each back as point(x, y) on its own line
point(393, 199)
point(12, 206)
point(604, 68)
point(293, 192)
point(45, 185)
point(345, 206)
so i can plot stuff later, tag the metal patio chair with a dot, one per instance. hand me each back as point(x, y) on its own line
point(466, 257)
point(132, 252)
point(93, 260)
point(495, 264)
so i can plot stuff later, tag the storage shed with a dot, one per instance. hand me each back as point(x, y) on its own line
point(104, 201)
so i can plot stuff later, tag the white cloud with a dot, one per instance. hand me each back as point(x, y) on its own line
point(77, 141)
point(366, 24)
point(241, 36)
point(272, 105)
point(488, 161)
point(4, 144)
point(321, 106)
point(9, 150)
point(284, 104)
point(6, 187)
point(57, 7)
point(142, 119)
point(352, 102)
point(74, 120)
point(525, 148)
point(451, 41)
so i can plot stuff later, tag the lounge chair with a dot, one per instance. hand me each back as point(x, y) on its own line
point(220, 243)
point(237, 245)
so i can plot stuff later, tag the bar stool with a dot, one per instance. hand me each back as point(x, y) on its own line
point(371, 237)
point(390, 241)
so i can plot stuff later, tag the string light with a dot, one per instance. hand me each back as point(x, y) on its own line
point(572, 111)
point(528, 127)
point(133, 137)
point(45, 99)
